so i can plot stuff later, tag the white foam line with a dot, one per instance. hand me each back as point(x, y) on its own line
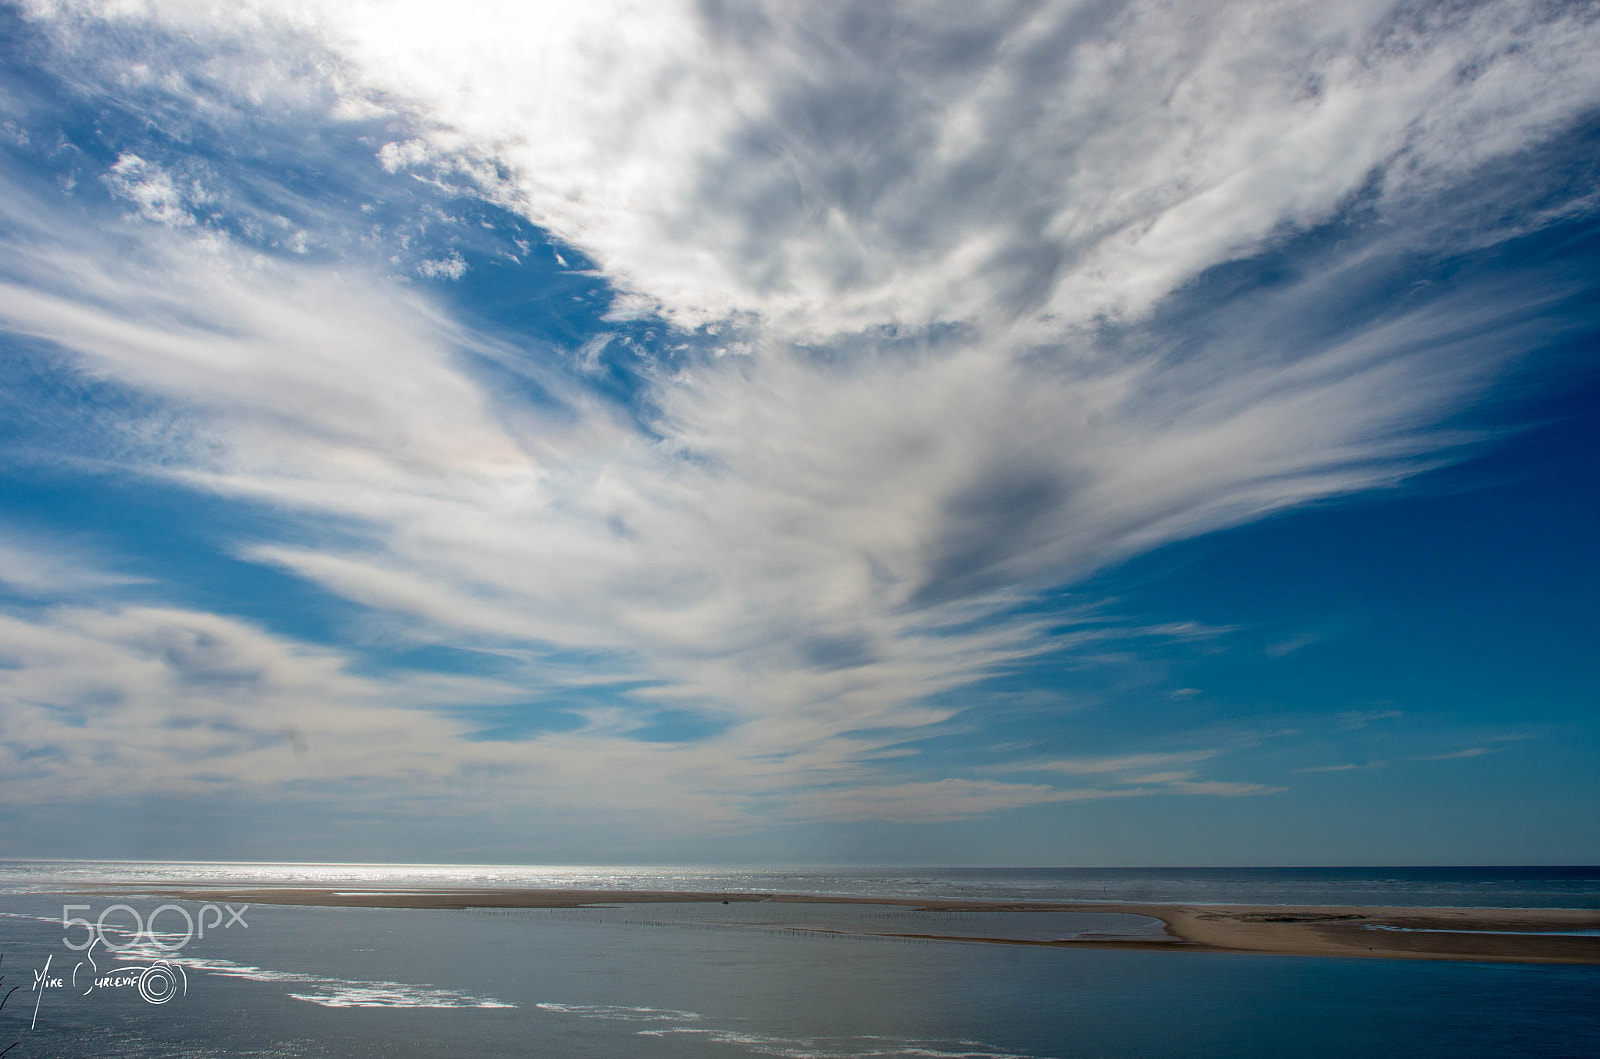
point(783, 1047)
point(24, 915)
point(809, 1048)
point(328, 992)
point(622, 1013)
point(396, 995)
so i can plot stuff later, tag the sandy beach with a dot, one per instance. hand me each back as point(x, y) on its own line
point(1494, 934)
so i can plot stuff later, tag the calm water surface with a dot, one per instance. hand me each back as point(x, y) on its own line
point(746, 979)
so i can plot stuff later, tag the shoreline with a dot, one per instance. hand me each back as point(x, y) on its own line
point(1516, 935)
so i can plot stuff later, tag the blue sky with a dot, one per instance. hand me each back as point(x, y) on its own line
point(1021, 433)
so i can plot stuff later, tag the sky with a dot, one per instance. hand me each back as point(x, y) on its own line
point(886, 432)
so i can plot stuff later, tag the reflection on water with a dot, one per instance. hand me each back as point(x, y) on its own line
point(1507, 887)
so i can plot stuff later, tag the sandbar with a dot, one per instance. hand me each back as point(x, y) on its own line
point(1517, 935)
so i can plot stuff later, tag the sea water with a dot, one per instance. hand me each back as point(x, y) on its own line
point(744, 979)
point(1471, 887)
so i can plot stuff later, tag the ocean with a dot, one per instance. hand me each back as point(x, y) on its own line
point(753, 979)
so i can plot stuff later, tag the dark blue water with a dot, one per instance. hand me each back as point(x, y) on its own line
point(742, 980)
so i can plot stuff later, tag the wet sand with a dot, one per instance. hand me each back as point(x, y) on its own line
point(1534, 935)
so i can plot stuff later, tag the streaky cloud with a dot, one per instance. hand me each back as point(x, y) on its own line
point(926, 312)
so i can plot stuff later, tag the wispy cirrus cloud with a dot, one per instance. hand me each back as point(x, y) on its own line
point(51, 570)
point(1453, 755)
point(938, 800)
point(1066, 159)
point(935, 322)
point(1117, 763)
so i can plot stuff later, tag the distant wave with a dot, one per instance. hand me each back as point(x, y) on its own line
point(855, 1047)
point(334, 992)
point(840, 1048)
point(394, 995)
point(621, 1012)
point(24, 915)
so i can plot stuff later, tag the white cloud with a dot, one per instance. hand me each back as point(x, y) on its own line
point(947, 799)
point(153, 191)
point(1343, 768)
point(805, 540)
point(1454, 755)
point(1288, 647)
point(452, 267)
point(1355, 720)
point(1117, 763)
point(1457, 755)
point(955, 799)
point(868, 163)
point(134, 700)
point(55, 569)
